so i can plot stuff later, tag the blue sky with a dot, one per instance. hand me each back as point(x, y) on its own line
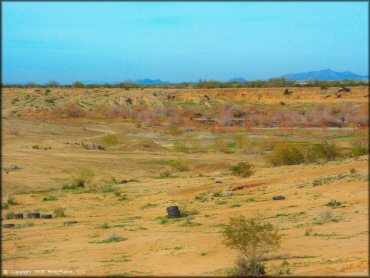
point(178, 41)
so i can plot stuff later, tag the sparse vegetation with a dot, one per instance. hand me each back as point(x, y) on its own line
point(326, 216)
point(12, 201)
point(81, 179)
point(111, 239)
point(104, 226)
point(12, 169)
point(50, 198)
point(183, 151)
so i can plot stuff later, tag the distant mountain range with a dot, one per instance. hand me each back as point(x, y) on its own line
point(148, 81)
point(326, 74)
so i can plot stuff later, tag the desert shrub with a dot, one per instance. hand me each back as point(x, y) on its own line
point(148, 205)
point(333, 204)
point(101, 186)
point(51, 100)
point(138, 123)
point(73, 111)
point(50, 198)
point(244, 268)
point(328, 150)
point(12, 169)
point(217, 193)
point(12, 201)
point(243, 169)
point(15, 100)
point(308, 231)
point(113, 238)
point(80, 179)
point(321, 152)
point(104, 226)
point(180, 165)
point(253, 238)
point(359, 148)
point(165, 174)
point(110, 140)
point(317, 182)
point(59, 212)
point(325, 216)
point(283, 269)
point(285, 154)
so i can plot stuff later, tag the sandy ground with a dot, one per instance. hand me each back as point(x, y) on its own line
point(154, 245)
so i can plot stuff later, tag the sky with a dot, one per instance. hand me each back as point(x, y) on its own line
point(179, 41)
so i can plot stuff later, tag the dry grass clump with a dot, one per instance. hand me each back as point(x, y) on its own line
point(81, 179)
point(59, 212)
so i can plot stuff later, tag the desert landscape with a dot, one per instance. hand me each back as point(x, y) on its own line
point(105, 163)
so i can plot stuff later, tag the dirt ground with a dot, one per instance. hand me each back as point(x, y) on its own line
point(46, 154)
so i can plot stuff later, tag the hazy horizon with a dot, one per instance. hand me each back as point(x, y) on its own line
point(180, 42)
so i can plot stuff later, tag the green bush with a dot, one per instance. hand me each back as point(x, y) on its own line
point(285, 154)
point(360, 147)
point(243, 169)
point(180, 165)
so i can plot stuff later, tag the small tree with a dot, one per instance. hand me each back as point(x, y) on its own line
point(78, 84)
point(52, 83)
point(253, 238)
